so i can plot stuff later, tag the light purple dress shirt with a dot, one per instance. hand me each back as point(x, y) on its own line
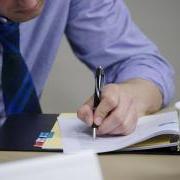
point(101, 32)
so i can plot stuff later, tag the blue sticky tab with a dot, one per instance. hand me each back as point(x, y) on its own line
point(44, 135)
point(51, 134)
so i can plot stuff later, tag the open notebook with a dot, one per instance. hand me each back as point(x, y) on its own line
point(153, 131)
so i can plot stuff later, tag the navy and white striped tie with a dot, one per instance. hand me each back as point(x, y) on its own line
point(18, 89)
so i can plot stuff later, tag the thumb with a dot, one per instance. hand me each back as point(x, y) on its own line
point(106, 105)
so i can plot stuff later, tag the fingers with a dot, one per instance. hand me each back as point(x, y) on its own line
point(109, 101)
point(85, 112)
point(128, 125)
point(122, 120)
point(116, 114)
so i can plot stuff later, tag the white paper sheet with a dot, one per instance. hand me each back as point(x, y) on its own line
point(76, 136)
point(54, 167)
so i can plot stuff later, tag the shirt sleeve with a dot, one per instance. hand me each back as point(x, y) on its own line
point(103, 33)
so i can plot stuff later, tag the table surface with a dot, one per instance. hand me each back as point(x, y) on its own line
point(121, 166)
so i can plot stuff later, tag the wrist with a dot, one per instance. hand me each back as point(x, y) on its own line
point(145, 94)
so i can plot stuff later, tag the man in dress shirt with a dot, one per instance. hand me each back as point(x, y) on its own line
point(101, 32)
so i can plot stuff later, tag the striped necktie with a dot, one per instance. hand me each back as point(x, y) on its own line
point(19, 93)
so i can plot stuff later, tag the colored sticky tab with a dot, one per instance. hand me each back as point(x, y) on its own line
point(51, 134)
point(55, 142)
point(41, 140)
point(43, 134)
point(38, 144)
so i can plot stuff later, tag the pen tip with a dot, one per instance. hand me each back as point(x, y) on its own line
point(94, 133)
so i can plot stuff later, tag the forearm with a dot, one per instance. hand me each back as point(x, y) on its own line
point(120, 47)
point(145, 94)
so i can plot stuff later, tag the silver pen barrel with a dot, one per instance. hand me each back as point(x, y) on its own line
point(94, 133)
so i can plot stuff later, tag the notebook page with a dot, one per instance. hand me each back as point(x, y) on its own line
point(77, 136)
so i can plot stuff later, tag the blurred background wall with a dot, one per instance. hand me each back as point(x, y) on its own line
point(70, 83)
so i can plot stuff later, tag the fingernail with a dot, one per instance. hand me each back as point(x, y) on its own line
point(98, 121)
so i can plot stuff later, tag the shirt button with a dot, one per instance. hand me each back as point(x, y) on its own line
point(3, 20)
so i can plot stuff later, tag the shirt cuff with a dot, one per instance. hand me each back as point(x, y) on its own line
point(162, 75)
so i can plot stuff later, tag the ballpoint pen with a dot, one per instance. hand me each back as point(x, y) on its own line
point(99, 82)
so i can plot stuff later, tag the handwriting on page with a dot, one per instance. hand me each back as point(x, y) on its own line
point(76, 136)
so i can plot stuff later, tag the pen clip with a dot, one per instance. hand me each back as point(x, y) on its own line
point(99, 83)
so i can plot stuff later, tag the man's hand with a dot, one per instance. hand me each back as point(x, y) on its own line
point(121, 105)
